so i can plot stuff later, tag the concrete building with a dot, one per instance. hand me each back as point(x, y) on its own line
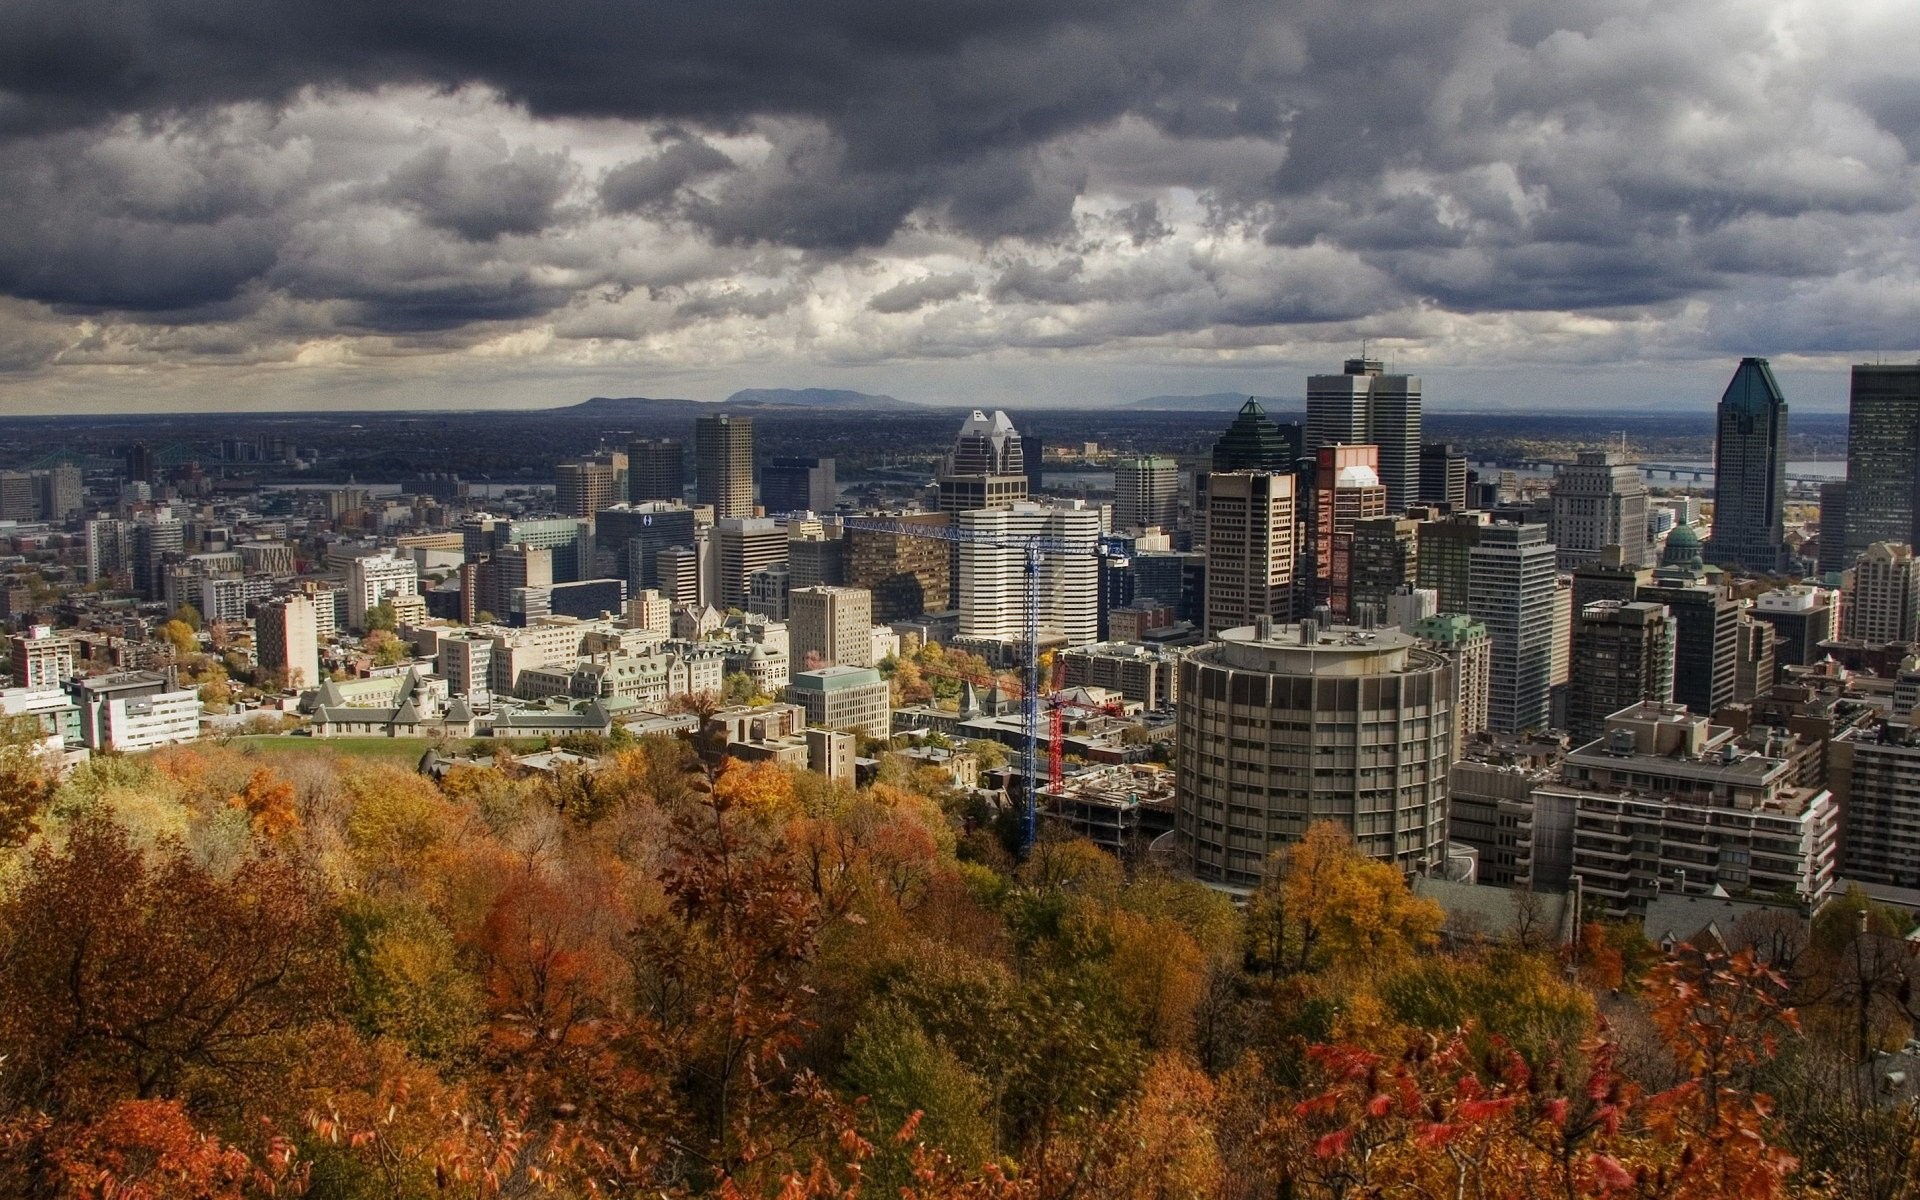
point(1883, 447)
point(286, 637)
point(1833, 557)
point(656, 470)
point(1146, 492)
point(41, 658)
point(832, 624)
point(1147, 674)
point(1469, 651)
point(1667, 802)
point(134, 711)
point(907, 575)
point(847, 699)
point(1282, 725)
point(1802, 617)
point(1365, 405)
point(1623, 654)
point(464, 658)
point(993, 589)
point(1384, 560)
point(1750, 472)
point(109, 548)
point(742, 547)
point(1443, 476)
point(791, 485)
point(987, 466)
point(583, 487)
point(1600, 500)
point(1446, 550)
point(1707, 620)
point(817, 558)
point(1874, 771)
point(1251, 524)
point(374, 578)
point(628, 537)
point(1346, 491)
point(723, 460)
point(1512, 590)
point(1883, 599)
point(1490, 806)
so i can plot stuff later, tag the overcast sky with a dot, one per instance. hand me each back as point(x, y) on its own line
point(359, 203)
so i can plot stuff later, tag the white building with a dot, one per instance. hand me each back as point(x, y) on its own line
point(372, 579)
point(135, 711)
point(992, 579)
point(1600, 500)
point(1512, 588)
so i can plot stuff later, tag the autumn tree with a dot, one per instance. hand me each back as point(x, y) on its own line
point(26, 779)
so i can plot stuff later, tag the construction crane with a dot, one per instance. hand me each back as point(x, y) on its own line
point(1033, 549)
point(1058, 702)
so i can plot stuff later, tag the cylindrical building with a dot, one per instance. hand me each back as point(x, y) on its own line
point(1283, 725)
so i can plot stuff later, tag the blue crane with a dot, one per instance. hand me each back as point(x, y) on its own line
point(1032, 549)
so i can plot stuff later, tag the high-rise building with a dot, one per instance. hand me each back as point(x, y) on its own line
point(1255, 442)
point(1883, 443)
point(907, 575)
point(1874, 771)
point(1265, 747)
point(1883, 602)
point(1346, 491)
point(1750, 472)
point(1446, 549)
point(1443, 475)
point(742, 547)
point(1608, 577)
point(993, 587)
point(1511, 589)
point(791, 485)
point(656, 470)
point(1146, 491)
point(1622, 654)
point(582, 488)
point(986, 467)
point(41, 658)
point(1802, 617)
point(64, 493)
point(1600, 500)
point(153, 545)
point(1833, 528)
point(723, 457)
point(677, 568)
point(286, 638)
point(1385, 558)
point(832, 624)
point(817, 558)
point(1753, 659)
point(140, 465)
point(109, 548)
point(1469, 650)
point(507, 577)
point(1251, 520)
point(374, 578)
point(1706, 643)
point(631, 535)
point(1365, 405)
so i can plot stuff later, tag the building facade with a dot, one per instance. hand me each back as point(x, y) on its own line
point(1251, 530)
point(1750, 472)
point(723, 460)
point(1511, 589)
point(1364, 404)
point(1600, 500)
point(1883, 445)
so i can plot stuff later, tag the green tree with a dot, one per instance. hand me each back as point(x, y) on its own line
point(901, 1071)
point(737, 688)
point(380, 616)
point(189, 616)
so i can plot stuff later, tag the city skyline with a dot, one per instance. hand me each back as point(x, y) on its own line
point(1557, 206)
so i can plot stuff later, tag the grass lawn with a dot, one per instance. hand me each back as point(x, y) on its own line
point(399, 751)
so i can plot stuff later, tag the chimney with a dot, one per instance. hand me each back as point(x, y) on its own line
point(1309, 632)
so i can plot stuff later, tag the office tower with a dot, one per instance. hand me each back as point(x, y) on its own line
point(153, 545)
point(286, 638)
point(41, 658)
point(464, 658)
point(1255, 442)
point(1883, 602)
point(63, 493)
point(109, 548)
point(1750, 472)
point(1365, 405)
point(19, 496)
point(1346, 491)
point(374, 578)
point(817, 558)
point(515, 568)
point(1512, 589)
point(993, 587)
point(677, 568)
point(1706, 623)
point(743, 546)
point(1446, 548)
point(723, 458)
point(632, 534)
point(1608, 577)
point(1665, 802)
point(850, 699)
point(831, 624)
point(1833, 528)
point(987, 466)
point(907, 575)
point(1031, 461)
point(1874, 770)
point(1883, 441)
point(1264, 730)
point(1250, 523)
point(1385, 559)
point(791, 485)
point(1443, 476)
point(656, 470)
point(582, 488)
point(1599, 500)
point(1177, 578)
point(1469, 651)
point(1802, 618)
point(1753, 659)
point(768, 590)
point(139, 464)
point(1146, 491)
point(1623, 653)
point(1562, 635)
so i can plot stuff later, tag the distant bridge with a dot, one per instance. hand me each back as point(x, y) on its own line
point(1680, 472)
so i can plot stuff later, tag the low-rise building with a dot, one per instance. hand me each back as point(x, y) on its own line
point(844, 698)
point(135, 710)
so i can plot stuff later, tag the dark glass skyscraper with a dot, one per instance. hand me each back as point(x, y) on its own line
point(1883, 437)
point(1750, 472)
point(1255, 442)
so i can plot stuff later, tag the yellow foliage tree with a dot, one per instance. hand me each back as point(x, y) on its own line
point(764, 789)
point(1350, 909)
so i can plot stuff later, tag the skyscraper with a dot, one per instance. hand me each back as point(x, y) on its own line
point(1364, 405)
point(1622, 654)
point(832, 624)
point(1883, 603)
point(583, 487)
point(1511, 589)
point(723, 457)
point(1750, 472)
point(1600, 500)
point(1385, 557)
point(993, 588)
point(1706, 643)
point(986, 468)
point(744, 545)
point(1255, 442)
point(1883, 439)
point(1443, 475)
point(656, 470)
point(1346, 491)
point(1250, 522)
point(798, 485)
point(1833, 527)
point(1146, 491)
point(286, 638)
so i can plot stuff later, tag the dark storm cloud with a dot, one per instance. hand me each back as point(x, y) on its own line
point(647, 184)
point(481, 200)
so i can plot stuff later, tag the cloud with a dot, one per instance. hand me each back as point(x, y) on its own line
point(911, 295)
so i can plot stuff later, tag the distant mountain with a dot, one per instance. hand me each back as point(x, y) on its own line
point(814, 398)
point(615, 406)
point(1214, 402)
